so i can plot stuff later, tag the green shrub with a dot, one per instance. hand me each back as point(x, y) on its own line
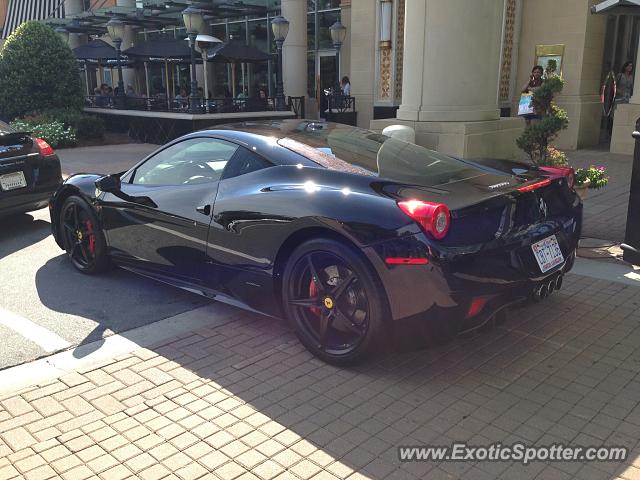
point(87, 126)
point(53, 132)
point(38, 71)
point(538, 135)
point(596, 176)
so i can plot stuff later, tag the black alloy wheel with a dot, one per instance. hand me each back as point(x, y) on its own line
point(331, 296)
point(82, 237)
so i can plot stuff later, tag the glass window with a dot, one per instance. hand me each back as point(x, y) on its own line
point(243, 162)
point(325, 20)
point(237, 30)
point(311, 31)
point(357, 150)
point(193, 161)
point(327, 4)
point(5, 128)
point(311, 74)
point(219, 31)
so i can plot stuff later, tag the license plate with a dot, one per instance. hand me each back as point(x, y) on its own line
point(11, 181)
point(547, 253)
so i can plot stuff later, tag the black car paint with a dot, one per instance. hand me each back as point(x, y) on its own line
point(18, 152)
point(239, 250)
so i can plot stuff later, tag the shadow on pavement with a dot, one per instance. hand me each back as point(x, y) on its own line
point(20, 231)
point(545, 376)
point(115, 301)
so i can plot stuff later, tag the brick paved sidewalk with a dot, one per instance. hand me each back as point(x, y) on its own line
point(244, 400)
point(605, 210)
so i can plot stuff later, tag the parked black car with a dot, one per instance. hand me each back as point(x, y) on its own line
point(339, 229)
point(29, 172)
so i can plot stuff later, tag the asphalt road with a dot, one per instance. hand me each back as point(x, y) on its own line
point(46, 305)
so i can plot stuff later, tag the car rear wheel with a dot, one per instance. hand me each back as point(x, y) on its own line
point(331, 297)
point(82, 237)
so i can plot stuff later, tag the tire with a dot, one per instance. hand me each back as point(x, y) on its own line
point(82, 237)
point(329, 287)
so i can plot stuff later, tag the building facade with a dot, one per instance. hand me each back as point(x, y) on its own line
point(451, 69)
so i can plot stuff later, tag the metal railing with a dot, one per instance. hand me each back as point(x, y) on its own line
point(160, 103)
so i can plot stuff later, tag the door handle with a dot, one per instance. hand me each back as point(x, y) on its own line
point(204, 209)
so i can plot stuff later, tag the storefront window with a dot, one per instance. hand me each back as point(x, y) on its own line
point(325, 20)
point(238, 30)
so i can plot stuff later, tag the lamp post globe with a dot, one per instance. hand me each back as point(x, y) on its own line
point(280, 28)
point(115, 29)
point(338, 34)
point(193, 19)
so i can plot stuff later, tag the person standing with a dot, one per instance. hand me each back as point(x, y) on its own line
point(346, 86)
point(624, 83)
point(533, 84)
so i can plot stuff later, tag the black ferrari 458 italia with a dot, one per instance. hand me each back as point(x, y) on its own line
point(338, 229)
point(29, 172)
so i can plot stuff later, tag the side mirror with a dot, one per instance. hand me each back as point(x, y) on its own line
point(109, 183)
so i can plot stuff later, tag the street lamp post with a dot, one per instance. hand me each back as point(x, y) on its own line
point(115, 28)
point(193, 19)
point(338, 34)
point(280, 27)
point(64, 34)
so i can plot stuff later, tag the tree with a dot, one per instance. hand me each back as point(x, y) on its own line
point(38, 72)
point(537, 136)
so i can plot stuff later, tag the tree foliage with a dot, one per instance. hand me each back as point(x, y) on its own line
point(38, 71)
point(537, 136)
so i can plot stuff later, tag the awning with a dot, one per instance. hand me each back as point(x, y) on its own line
point(616, 6)
point(20, 11)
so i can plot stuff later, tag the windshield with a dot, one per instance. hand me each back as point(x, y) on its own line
point(6, 128)
point(356, 150)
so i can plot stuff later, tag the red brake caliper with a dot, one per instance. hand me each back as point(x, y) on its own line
point(92, 239)
point(313, 293)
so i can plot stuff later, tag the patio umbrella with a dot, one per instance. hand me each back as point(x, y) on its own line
point(100, 53)
point(95, 50)
point(164, 49)
point(234, 52)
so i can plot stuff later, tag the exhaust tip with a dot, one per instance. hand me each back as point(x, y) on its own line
point(544, 291)
point(551, 286)
point(559, 282)
point(539, 292)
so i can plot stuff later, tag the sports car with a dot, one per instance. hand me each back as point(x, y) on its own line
point(29, 172)
point(340, 230)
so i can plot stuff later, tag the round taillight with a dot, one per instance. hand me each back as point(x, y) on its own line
point(434, 218)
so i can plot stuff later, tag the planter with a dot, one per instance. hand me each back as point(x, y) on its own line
point(582, 188)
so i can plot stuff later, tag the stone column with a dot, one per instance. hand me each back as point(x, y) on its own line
point(72, 8)
point(294, 50)
point(625, 117)
point(635, 98)
point(450, 77)
point(452, 54)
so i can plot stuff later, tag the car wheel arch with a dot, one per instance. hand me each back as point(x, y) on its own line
point(301, 236)
point(61, 196)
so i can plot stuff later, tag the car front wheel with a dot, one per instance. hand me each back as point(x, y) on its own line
point(82, 236)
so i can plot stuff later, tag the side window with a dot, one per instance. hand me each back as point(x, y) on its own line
point(193, 161)
point(244, 161)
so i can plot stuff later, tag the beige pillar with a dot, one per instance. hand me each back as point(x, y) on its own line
point(451, 73)
point(625, 117)
point(72, 7)
point(294, 50)
point(450, 78)
point(128, 74)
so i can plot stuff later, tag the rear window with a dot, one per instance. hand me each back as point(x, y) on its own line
point(356, 150)
point(6, 128)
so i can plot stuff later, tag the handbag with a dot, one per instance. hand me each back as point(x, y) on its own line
point(525, 107)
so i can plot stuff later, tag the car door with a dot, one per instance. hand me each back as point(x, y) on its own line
point(234, 265)
point(159, 220)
